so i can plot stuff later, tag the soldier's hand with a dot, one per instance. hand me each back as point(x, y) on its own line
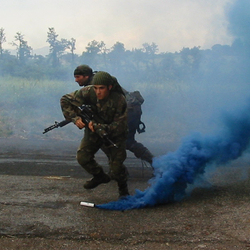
point(80, 124)
point(91, 127)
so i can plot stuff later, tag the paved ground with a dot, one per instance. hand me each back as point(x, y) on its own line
point(40, 193)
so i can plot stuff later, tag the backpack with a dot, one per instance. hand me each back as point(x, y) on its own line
point(134, 101)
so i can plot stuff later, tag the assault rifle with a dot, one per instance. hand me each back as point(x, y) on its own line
point(86, 115)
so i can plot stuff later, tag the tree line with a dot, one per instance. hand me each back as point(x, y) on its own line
point(220, 63)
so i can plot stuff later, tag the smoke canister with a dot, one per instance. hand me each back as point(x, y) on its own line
point(87, 204)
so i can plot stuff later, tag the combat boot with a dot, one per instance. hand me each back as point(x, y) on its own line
point(147, 156)
point(97, 180)
point(123, 190)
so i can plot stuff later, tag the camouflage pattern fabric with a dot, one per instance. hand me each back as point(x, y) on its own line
point(109, 115)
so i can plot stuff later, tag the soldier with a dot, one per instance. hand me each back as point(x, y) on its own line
point(110, 116)
point(83, 76)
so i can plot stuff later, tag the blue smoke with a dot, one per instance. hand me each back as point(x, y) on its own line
point(175, 170)
point(238, 15)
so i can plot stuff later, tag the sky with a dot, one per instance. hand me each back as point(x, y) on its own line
point(170, 24)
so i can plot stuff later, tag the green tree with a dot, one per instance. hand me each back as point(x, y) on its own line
point(94, 52)
point(150, 49)
point(137, 56)
point(117, 56)
point(72, 48)
point(23, 50)
point(191, 59)
point(57, 47)
point(2, 40)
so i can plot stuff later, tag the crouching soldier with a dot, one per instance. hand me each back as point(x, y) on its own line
point(110, 118)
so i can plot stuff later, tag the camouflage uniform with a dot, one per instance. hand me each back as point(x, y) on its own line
point(134, 115)
point(134, 101)
point(110, 116)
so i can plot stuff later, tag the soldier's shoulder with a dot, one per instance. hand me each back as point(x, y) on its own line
point(118, 98)
point(118, 95)
point(89, 89)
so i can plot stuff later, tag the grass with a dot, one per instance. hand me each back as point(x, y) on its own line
point(170, 110)
point(25, 102)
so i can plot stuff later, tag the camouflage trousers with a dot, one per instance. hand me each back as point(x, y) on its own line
point(89, 146)
point(139, 150)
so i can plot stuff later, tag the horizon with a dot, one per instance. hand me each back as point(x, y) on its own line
point(170, 25)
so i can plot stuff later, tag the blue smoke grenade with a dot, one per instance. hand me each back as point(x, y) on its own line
point(174, 171)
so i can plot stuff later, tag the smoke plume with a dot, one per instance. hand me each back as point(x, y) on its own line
point(175, 170)
point(239, 20)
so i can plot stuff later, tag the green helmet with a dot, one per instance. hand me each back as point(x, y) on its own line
point(102, 78)
point(83, 70)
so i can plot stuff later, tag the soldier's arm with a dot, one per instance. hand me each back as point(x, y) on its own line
point(71, 102)
point(119, 123)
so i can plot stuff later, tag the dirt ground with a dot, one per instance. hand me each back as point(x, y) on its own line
point(41, 190)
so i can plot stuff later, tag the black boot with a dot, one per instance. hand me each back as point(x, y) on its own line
point(123, 189)
point(147, 156)
point(97, 180)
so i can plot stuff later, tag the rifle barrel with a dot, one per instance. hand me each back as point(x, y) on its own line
point(56, 125)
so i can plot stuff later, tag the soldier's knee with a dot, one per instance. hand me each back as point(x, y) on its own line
point(83, 157)
point(136, 147)
point(130, 143)
point(118, 172)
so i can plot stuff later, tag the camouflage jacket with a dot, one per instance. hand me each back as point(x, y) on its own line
point(110, 115)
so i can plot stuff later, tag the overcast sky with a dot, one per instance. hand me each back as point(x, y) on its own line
point(171, 24)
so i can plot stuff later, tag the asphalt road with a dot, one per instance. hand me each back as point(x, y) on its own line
point(42, 187)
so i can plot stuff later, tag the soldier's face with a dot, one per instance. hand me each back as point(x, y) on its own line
point(102, 91)
point(81, 80)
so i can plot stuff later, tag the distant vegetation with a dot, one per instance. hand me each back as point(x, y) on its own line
point(31, 85)
point(137, 65)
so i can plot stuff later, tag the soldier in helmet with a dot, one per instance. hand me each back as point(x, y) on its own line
point(110, 116)
point(83, 76)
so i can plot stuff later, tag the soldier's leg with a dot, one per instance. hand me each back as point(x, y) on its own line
point(131, 137)
point(140, 151)
point(118, 170)
point(85, 157)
